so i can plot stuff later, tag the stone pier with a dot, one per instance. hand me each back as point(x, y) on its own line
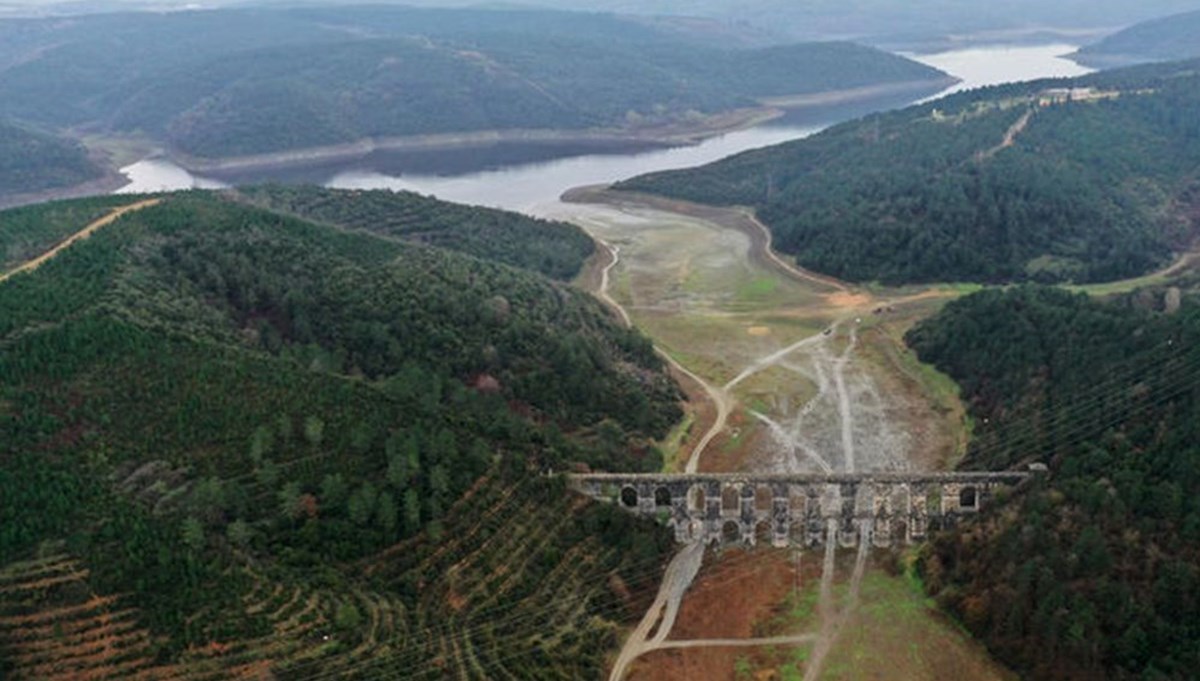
point(794, 510)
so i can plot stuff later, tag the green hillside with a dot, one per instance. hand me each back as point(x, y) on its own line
point(237, 82)
point(33, 161)
point(556, 249)
point(235, 442)
point(27, 232)
point(1003, 184)
point(1164, 39)
point(1093, 572)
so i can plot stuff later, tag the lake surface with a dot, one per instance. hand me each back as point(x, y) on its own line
point(530, 177)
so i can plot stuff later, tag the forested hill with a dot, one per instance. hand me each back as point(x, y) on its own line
point(235, 440)
point(556, 249)
point(240, 82)
point(34, 161)
point(1011, 183)
point(1168, 38)
point(1093, 573)
point(889, 22)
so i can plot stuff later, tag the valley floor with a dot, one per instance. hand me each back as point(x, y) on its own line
point(797, 373)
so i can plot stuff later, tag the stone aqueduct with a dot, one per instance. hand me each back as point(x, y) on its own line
point(801, 510)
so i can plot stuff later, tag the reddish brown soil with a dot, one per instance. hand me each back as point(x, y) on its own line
point(724, 457)
point(735, 591)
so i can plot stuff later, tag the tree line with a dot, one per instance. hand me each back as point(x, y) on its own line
point(1086, 191)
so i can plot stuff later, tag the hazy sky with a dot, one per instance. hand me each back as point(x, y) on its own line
point(786, 19)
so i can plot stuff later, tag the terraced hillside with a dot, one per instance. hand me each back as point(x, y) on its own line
point(554, 249)
point(235, 443)
point(1083, 180)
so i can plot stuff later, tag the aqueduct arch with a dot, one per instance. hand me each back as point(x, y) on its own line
point(799, 510)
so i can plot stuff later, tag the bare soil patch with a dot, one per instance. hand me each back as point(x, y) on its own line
point(849, 299)
point(736, 591)
point(733, 450)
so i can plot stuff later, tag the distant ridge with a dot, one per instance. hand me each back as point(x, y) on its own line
point(1165, 39)
point(242, 82)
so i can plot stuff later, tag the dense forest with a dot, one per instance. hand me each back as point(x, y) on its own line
point(1010, 183)
point(27, 232)
point(1163, 39)
point(234, 439)
point(249, 81)
point(556, 249)
point(34, 161)
point(1094, 571)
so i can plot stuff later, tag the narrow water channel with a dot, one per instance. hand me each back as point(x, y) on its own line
point(530, 178)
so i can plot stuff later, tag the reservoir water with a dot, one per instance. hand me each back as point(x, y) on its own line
point(530, 178)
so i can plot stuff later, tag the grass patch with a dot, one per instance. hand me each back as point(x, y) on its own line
point(776, 391)
point(757, 288)
point(671, 445)
point(897, 632)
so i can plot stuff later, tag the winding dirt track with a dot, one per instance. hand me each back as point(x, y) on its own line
point(764, 245)
point(739, 642)
point(772, 359)
point(720, 398)
point(614, 259)
point(844, 406)
point(678, 578)
point(84, 233)
point(686, 564)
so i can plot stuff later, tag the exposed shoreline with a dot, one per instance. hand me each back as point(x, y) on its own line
point(662, 136)
point(739, 219)
point(109, 182)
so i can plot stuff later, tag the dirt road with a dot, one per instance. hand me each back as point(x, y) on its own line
point(825, 432)
point(844, 406)
point(1010, 136)
point(799, 639)
point(772, 360)
point(81, 234)
point(763, 245)
point(720, 398)
point(831, 623)
point(678, 577)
